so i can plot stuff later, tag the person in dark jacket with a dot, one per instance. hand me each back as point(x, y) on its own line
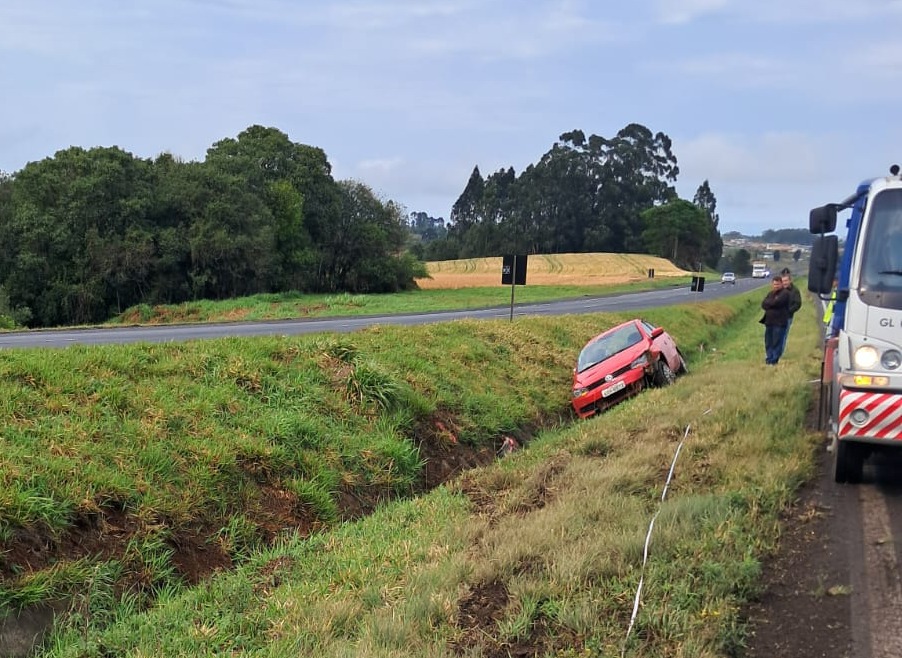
point(776, 317)
point(795, 303)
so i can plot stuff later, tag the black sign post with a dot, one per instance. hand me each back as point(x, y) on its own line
point(513, 272)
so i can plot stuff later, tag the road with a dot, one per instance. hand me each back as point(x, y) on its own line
point(834, 589)
point(174, 333)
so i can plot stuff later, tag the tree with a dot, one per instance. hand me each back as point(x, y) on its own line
point(678, 230)
point(365, 252)
point(796, 255)
point(637, 170)
point(264, 158)
point(704, 199)
point(68, 213)
point(742, 262)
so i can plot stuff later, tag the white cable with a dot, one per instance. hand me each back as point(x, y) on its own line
point(651, 526)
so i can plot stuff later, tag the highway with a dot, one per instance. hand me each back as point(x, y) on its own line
point(58, 338)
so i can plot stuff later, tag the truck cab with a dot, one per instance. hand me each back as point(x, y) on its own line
point(862, 381)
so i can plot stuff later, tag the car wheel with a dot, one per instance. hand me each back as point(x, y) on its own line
point(663, 374)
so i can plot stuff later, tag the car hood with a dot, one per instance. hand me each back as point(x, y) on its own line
point(609, 365)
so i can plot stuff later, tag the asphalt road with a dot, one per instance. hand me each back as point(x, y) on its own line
point(175, 333)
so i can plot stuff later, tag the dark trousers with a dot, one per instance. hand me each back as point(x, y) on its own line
point(773, 343)
point(785, 336)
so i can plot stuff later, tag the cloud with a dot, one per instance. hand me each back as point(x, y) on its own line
point(881, 62)
point(763, 159)
point(685, 11)
point(740, 70)
point(680, 12)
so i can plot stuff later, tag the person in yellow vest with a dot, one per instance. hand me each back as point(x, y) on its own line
point(828, 309)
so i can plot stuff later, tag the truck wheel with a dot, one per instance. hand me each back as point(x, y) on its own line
point(663, 374)
point(848, 462)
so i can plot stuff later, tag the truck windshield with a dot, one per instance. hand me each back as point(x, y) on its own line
point(881, 265)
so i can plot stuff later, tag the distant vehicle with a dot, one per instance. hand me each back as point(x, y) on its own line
point(728, 277)
point(759, 270)
point(621, 362)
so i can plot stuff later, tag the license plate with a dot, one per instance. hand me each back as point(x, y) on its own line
point(610, 390)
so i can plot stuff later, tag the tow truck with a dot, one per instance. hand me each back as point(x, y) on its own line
point(861, 382)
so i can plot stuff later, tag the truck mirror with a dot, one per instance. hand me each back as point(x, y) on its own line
point(822, 219)
point(822, 266)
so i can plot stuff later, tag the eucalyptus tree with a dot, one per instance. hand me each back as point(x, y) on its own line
point(466, 212)
point(704, 198)
point(636, 171)
point(557, 197)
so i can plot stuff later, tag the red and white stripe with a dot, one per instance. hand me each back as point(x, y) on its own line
point(884, 415)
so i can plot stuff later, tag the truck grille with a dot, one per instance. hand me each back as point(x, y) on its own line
point(883, 419)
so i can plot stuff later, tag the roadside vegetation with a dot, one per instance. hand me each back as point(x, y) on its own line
point(460, 284)
point(317, 494)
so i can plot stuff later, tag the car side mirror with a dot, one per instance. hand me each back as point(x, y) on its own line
point(657, 331)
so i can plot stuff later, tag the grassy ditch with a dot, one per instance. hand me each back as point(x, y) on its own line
point(132, 473)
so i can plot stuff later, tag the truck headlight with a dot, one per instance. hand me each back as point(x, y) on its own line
point(891, 359)
point(866, 357)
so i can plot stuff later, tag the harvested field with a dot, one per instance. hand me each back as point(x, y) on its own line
point(550, 270)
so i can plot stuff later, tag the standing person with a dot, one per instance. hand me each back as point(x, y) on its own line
point(776, 315)
point(795, 302)
point(828, 309)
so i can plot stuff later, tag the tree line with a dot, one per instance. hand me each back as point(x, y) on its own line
point(585, 195)
point(88, 233)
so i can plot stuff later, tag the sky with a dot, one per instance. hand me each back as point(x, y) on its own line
point(781, 105)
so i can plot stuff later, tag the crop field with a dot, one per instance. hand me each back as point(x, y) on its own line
point(550, 269)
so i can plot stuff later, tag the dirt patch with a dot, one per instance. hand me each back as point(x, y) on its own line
point(478, 614)
point(103, 535)
point(444, 455)
point(197, 556)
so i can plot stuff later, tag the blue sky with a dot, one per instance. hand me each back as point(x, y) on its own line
point(780, 104)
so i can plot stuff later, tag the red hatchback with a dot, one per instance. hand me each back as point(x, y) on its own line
point(622, 361)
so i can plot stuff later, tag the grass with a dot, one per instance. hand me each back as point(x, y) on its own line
point(542, 549)
point(457, 284)
point(280, 306)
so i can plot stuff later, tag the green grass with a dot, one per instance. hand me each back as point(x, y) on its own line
point(278, 306)
point(195, 434)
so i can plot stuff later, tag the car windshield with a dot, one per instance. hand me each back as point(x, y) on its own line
point(604, 347)
point(882, 253)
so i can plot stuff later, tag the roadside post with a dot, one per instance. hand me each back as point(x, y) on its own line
point(513, 272)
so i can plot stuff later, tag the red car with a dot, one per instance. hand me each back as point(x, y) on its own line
point(622, 361)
